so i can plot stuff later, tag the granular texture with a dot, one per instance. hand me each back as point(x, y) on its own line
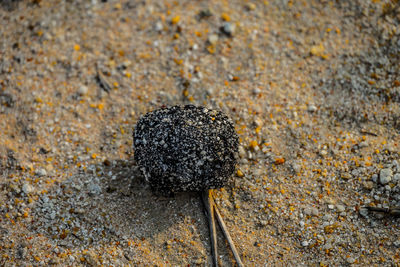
point(186, 148)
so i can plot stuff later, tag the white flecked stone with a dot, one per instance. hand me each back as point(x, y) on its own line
point(83, 90)
point(41, 172)
point(396, 178)
point(340, 208)
point(27, 188)
point(304, 243)
point(385, 176)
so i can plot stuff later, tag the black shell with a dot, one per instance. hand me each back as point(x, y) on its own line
point(186, 148)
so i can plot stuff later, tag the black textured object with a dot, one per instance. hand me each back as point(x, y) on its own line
point(186, 148)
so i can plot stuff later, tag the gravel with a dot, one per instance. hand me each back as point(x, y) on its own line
point(312, 91)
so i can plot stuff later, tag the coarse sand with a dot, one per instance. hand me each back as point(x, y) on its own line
point(312, 88)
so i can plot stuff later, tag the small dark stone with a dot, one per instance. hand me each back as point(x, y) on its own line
point(204, 14)
point(29, 132)
point(111, 189)
point(6, 100)
point(12, 162)
point(186, 148)
point(21, 252)
point(43, 151)
point(228, 29)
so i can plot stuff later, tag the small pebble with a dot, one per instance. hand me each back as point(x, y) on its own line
point(213, 39)
point(49, 167)
point(396, 178)
point(45, 199)
point(327, 217)
point(307, 211)
point(346, 176)
point(41, 172)
point(258, 121)
point(363, 144)
point(159, 26)
point(340, 208)
point(350, 260)
point(296, 167)
point(355, 172)
point(314, 211)
point(242, 152)
point(228, 28)
point(363, 212)
point(385, 176)
point(27, 188)
point(21, 252)
point(127, 63)
point(250, 6)
point(323, 152)
point(304, 243)
point(311, 211)
point(83, 90)
point(312, 108)
point(199, 261)
point(256, 91)
point(368, 185)
point(327, 246)
point(203, 14)
point(94, 189)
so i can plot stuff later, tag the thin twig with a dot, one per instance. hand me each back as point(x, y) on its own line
point(226, 233)
point(394, 211)
point(209, 207)
point(102, 80)
point(368, 132)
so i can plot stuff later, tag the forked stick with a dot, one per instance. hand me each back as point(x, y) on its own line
point(212, 210)
point(209, 207)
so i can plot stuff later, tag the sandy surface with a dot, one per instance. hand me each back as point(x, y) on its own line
point(313, 88)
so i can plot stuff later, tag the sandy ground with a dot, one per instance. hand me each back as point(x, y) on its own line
point(313, 88)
